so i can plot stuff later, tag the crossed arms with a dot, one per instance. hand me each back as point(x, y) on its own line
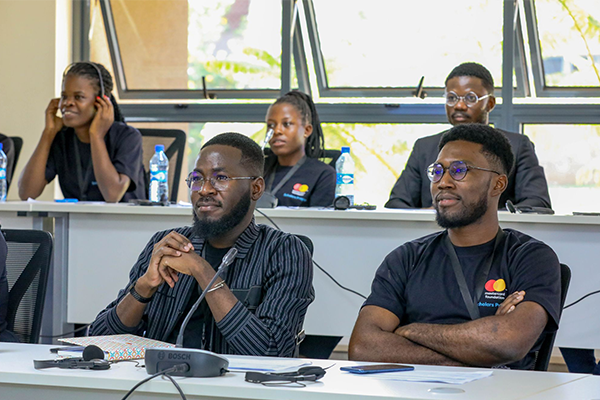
point(490, 341)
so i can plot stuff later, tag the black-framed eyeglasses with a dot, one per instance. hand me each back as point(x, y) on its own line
point(470, 99)
point(457, 170)
point(219, 182)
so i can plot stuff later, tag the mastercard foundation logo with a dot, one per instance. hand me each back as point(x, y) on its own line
point(495, 285)
point(299, 187)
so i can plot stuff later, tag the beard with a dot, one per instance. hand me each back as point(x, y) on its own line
point(467, 215)
point(204, 228)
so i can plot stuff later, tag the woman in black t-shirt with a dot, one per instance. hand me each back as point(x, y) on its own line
point(96, 156)
point(296, 143)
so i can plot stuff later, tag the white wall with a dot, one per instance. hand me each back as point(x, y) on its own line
point(28, 70)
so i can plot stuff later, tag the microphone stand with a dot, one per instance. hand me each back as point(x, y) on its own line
point(227, 259)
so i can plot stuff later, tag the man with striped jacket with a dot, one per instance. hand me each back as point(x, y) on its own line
point(259, 305)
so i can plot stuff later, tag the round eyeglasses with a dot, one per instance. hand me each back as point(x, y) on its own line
point(457, 170)
point(470, 99)
point(219, 182)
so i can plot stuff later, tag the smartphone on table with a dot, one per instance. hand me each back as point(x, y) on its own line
point(377, 368)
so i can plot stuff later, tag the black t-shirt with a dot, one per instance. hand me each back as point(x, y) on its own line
point(124, 146)
point(312, 185)
point(198, 328)
point(416, 281)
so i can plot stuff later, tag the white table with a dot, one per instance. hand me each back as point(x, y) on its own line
point(19, 380)
point(97, 244)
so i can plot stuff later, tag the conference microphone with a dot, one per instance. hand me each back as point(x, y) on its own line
point(201, 363)
point(527, 209)
point(420, 92)
point(268, 137)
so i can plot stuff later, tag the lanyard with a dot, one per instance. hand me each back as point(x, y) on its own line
point(471, 302)
point(285, 178)
point(81, 179)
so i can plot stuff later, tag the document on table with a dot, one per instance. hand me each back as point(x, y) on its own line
point(264, 364)
point(451, 377)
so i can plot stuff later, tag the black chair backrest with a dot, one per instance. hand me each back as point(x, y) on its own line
point(27, 267)
point(330, 156)
point(17, 145)
point(307, 242)
point(174, 142)
point(542, 358)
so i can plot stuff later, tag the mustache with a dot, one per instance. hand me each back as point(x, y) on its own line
point(446, 195)
point(202, 201)
point(460, 113)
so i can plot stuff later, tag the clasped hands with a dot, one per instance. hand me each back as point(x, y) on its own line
point(174, 254)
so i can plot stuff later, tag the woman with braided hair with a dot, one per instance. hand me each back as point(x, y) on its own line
point(96, 156)
point(293, 173)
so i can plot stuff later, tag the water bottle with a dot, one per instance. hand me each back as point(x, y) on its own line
point(159, 174)
point(3, 184)
point(344, 168)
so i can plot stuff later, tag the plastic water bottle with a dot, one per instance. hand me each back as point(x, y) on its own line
point(344, 168)
point(159, 174)
point(3, 184)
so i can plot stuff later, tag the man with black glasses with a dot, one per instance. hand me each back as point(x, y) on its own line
point(259, 305)
point(473, 294)
point(470, 99)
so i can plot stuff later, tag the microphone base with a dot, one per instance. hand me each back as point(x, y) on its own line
point(201, 363)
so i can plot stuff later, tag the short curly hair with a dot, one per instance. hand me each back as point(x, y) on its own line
point(252, 156)
point(476, 70)
point(496, 147)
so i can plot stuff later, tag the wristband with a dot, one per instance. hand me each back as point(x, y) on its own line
point(138, 296)
point(217, 286)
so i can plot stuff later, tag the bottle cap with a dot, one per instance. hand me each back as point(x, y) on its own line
point(345, 149)
point(159, 147)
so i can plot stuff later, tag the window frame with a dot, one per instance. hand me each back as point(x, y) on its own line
point(198, 94)
point(507, 115)
point(538, 66)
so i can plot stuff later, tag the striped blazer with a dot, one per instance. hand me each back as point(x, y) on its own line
point(277, 263)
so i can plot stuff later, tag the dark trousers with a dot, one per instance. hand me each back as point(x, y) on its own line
point(580, 361)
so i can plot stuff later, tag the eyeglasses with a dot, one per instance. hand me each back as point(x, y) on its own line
point(219, 182)
point(457, 170)
point(470, 99)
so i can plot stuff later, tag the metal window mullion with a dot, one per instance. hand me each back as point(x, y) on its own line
point(81, 29)
point(113, 45)
point(520, 65)
point(300, 61)
point(315, 45)
point(537, 64)
point(507, 66)
point(287, 32)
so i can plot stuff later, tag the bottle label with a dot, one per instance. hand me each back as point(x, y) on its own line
point(2, 173)
point(345, 179)
point(160, 176)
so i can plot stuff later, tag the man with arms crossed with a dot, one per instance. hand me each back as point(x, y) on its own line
point(258, 306)
point(470, 99)
point(417, 312)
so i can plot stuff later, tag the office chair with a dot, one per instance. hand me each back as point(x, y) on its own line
point(331, 155)
point(17, 145)
point(174, 142)
point(27, 267)
point(542, 358)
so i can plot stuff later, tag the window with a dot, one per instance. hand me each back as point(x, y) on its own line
point(379, 151)
point(569, 35)
point(390, 43)
point(179, 48)
point(572, 169)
